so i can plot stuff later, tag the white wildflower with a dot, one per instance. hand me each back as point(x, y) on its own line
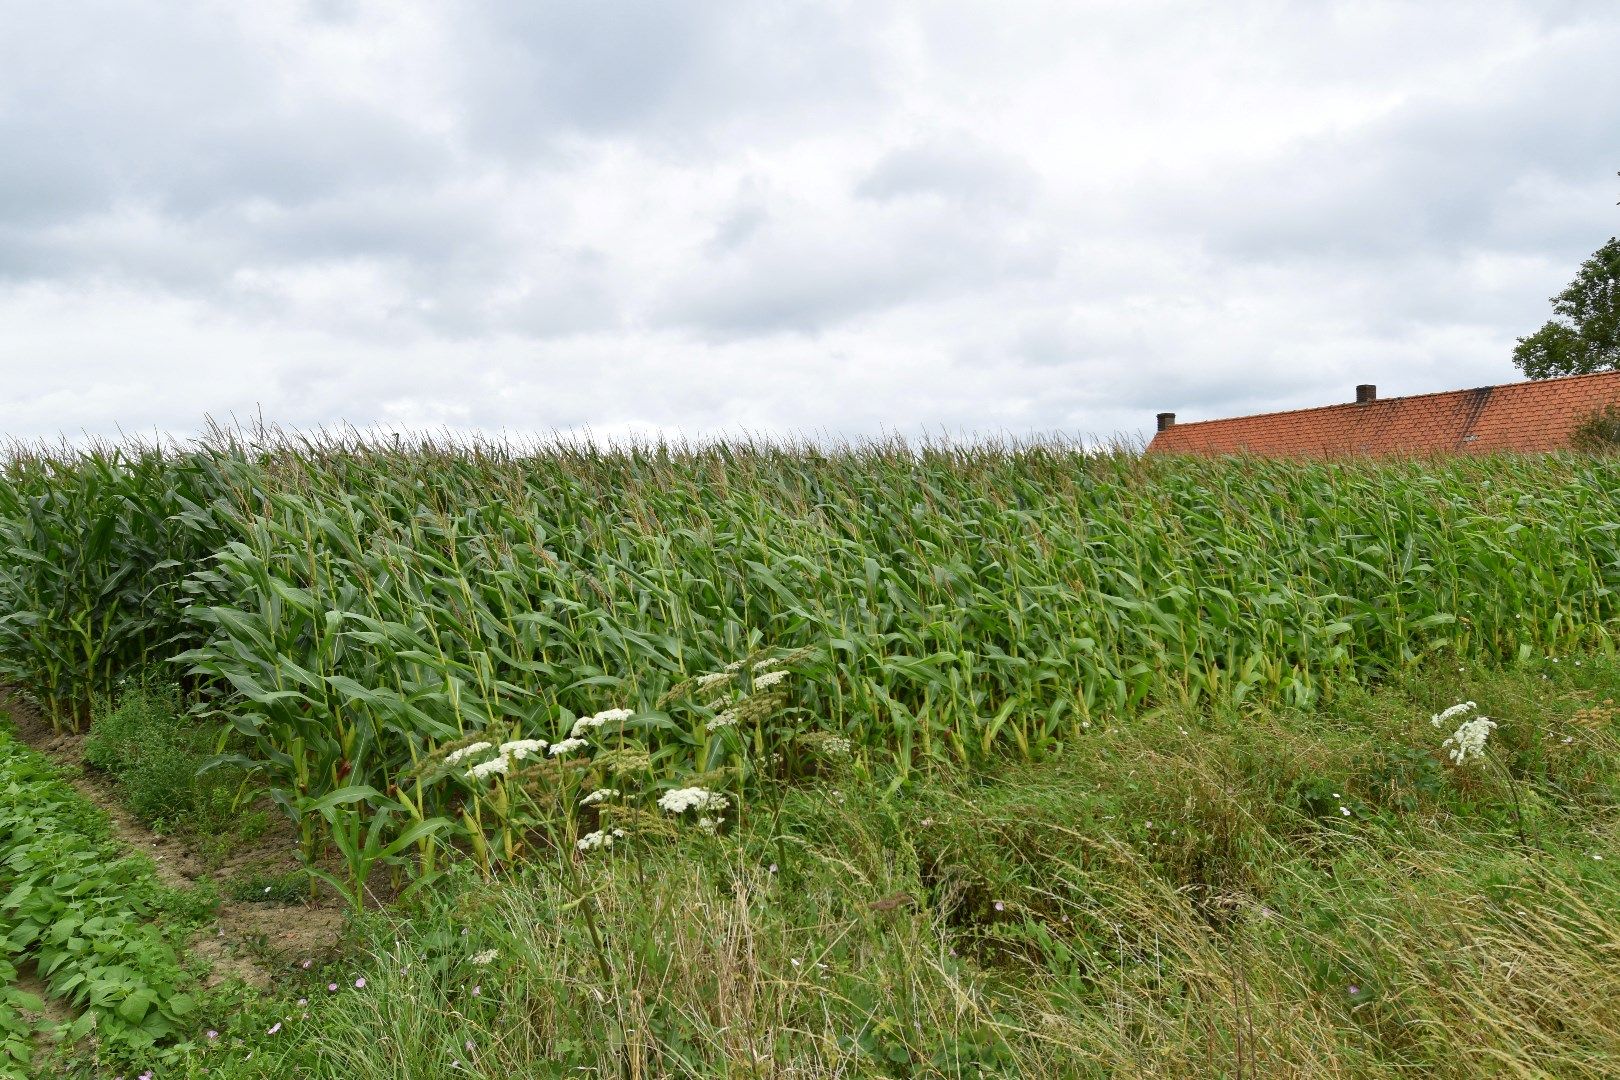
point(1468, 741)
point(466, 752)
point(567, 746)
point(598, 839)
point(485, 957)
point(680, 800)
point(770, 678)
point(599, 795)
point(489, 768)
point(735, 666)
point(714, 678)
point(767, 664)
point(519, 749)
point(1455, 711)
point(586, 723)
point(593, 840)
point(724, 720)
point(708, 824)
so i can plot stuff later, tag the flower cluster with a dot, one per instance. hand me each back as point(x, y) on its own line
point(679, 800)
point(567, 746)
point(519, 749)
point(824, 744)
point(599, 795)
point(589, 723)
point(1452, 713)
point(709, 804)
point(466, 752)
point(501, 763)
point(1468, 741)
point(490, 768)
point(601, 838)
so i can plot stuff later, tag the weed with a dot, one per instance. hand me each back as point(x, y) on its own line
point(257, 887)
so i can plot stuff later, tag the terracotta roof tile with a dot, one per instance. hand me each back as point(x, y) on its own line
point(1526, 416)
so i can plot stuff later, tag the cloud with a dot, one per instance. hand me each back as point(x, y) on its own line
point(805, 217)
point(956, 168)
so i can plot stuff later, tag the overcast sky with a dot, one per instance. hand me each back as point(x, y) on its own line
point(777, 217)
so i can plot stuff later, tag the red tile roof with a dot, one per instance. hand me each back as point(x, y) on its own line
point(1526, 416)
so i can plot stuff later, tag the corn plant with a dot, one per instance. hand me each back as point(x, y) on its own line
point(353, 607)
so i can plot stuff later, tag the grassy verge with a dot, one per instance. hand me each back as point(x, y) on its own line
point(155, 756)
point(1250, 893)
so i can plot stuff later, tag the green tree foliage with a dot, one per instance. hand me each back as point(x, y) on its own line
point(1585, 334)
point(1598, 432)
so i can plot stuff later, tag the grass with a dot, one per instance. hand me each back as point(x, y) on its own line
point(165, 769)
point(1184, 898)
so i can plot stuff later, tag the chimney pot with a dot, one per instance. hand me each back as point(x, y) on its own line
point(1167, 420)
point(1366, 392)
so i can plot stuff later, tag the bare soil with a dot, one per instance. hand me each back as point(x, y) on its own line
point(250, 941)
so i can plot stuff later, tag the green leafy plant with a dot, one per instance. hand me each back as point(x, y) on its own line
point(156, 755)
point(75, 906)
point(364, 840)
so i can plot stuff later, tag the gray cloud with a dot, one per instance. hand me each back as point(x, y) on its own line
point(957, 167)
point(797, 218)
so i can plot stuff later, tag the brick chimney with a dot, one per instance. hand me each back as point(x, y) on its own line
point(1366, 392)
point(1167, 420)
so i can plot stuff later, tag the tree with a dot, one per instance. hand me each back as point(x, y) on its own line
point(1598, 432)
point(1585, 334)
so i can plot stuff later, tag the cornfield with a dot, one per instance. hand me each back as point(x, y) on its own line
point(353, 606)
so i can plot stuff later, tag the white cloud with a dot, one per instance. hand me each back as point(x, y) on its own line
point(804, 218)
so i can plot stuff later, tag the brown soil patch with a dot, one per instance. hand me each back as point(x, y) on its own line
point(249, 941)
point(55, 1011)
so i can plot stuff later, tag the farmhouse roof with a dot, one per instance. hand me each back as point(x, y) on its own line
point(1525, 416)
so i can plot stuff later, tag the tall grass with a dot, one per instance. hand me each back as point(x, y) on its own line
point(355, 603)
point(1185, 898)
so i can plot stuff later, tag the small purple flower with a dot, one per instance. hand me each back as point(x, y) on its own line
point(1000, 906)
point(468, 1046)
point(331, 988)
point(1354, 990)
point(360, 983)
point(275, 1028)
point(212, 1035)
point(477, 990)
point(303, 1001)
point(305, 965)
